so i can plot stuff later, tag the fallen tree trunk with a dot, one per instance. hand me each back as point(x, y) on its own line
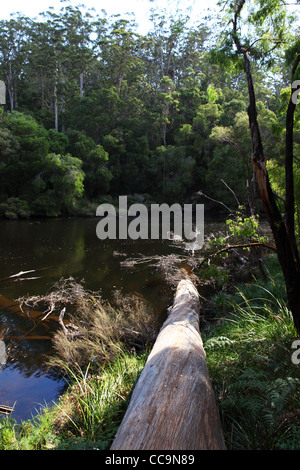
point(173, 405)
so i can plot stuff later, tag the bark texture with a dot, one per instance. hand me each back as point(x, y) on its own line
point(173, 405)
point(283, 229)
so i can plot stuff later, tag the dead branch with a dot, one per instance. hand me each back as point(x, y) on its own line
point(233, 247)
point(60, 320)
point(65, 291)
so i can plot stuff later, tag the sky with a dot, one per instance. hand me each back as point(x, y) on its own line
point(31, 8)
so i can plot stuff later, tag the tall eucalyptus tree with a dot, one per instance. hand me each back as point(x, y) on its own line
point(13, 55)
point(269, 21)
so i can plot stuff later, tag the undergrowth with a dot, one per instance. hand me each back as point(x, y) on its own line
point(249, 356)
point(100, 350)
point(86, 417)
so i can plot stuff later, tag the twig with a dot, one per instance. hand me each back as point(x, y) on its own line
point(200, 193)
point(49, 312)
point(232, 247)
point(231, 190)
point(60, 320)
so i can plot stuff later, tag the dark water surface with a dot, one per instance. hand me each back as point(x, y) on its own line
point(52, 249)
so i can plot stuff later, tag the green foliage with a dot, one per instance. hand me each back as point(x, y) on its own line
point(249, 358)
point(214, 273)
point(58, 142)
point(163, 113)
point(171, 173)
point(15, 208)
point(97, 175)
point(58, 186)
point(267, 405)
point(9, 146)
point(86, 417)
point(214, 94)
point(243, 227)
point(259, 289)
point(32, 137)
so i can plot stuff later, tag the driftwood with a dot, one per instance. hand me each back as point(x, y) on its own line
point(6, 410)
point(36, 316)
point(173, 405)
point(234, 247)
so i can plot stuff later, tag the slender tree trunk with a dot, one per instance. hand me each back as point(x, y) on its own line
point(55, 101)
point(284, 238)
point(11, 97)
point(42, 92)
point(16, 104)
point(81, 85)
point(10, 88)
point(169, 59)
point(284, 235)
point(289, 168)
point(63, 102)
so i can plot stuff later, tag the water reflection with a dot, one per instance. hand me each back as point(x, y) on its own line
point(34, 256)
point(27, 393)
point(46, 251)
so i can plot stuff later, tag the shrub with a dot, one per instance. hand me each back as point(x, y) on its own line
point(15, 208)
point(257, 385)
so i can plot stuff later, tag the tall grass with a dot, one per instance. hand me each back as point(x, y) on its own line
point(256, 383)
point(101, 352)
point(100, 330)
point(86, 417)
point(95, 404)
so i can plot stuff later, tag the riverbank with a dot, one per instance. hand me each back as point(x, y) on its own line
point(100, 352)
point(252, 362)
point(249, 346)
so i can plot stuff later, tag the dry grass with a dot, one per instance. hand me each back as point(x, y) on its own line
point(96, 330)
point(172, 267)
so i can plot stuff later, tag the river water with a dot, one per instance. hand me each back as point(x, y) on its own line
point(35, 255)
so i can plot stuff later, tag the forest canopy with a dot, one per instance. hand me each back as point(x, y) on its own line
point(95, 110)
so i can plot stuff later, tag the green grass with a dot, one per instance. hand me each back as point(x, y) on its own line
point(274, 287)
point(101, 361)
point(86, 417)
point(249, 356)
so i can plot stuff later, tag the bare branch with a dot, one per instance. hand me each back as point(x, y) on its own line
point(233, 247)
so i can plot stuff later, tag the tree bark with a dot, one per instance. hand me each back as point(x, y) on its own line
point(56, 99)
point(289, 167)
point(63, 100)
point(81, 88)
point(10, 88)
point(173, 404)
point(284, 235)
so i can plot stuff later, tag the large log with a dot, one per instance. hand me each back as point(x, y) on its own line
point(173, 405)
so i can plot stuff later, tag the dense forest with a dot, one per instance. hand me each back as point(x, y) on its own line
point(95, 110)
point(199, 111)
